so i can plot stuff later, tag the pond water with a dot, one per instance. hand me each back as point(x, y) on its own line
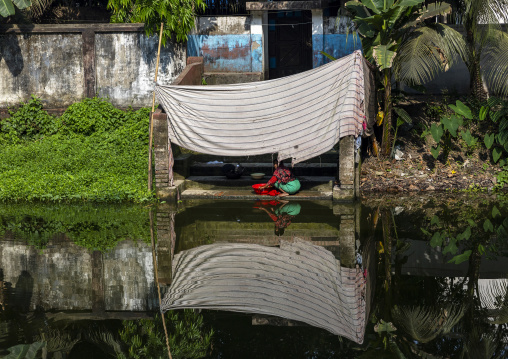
point(384, 278)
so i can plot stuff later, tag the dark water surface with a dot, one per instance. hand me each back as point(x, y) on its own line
point(413, 278)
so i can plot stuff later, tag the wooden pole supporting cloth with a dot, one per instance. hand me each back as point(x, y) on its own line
point(150, 136)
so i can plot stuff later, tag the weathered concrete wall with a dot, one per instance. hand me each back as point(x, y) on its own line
point(126, 66)
point(62, 64)
point(49, 66)
point(68, 277)
point(192, 74)
point(228, 43)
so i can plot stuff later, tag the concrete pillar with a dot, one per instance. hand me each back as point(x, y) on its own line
point(266, 59)
point(161, 153)
point(317, 38)
point(98, 299)
point(88, 37)
point(347, 213)
point(166, 240)
point(346, 168)
point(256, 40)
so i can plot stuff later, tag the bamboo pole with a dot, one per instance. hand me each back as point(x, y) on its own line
point(150, 136)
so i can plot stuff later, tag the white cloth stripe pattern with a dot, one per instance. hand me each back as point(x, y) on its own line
point(299, 116)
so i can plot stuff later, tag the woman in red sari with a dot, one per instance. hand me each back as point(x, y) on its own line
point(283, 179)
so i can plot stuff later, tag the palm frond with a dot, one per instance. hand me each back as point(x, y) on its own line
point(495, 63)
point(407, 119)
point(425, 324)
point(38, 7)
point(57, 340)
point(104, 339)
point(495, 299)
point(479, 345)
point(425, 53)
point(430, 11)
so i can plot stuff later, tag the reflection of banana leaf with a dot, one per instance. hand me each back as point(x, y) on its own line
point(105, 340)
point(425, 324)
point(24, 351)
point(57, 340)
point(480, 345)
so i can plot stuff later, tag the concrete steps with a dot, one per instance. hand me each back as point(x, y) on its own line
point(300, 169)
point(204, 178)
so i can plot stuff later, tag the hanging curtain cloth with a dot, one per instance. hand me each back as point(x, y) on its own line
point(298, 117)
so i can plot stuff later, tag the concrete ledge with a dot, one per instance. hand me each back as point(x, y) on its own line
point(170, 193)
point(286, 5)
point(343, 194)
point(69, 28)
point(192, 74)
point(224, 78)
point(238, 194)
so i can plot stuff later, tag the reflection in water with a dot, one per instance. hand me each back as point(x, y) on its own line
point(281, 212)
point(68, 275)
point(298, 281)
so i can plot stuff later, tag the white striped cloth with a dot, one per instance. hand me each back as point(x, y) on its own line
point(297, 117)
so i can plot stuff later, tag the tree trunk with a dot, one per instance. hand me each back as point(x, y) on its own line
point(387, 122)
point(476, 82)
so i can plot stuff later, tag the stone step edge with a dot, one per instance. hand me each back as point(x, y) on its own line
point(246, 194)
point(247, 178)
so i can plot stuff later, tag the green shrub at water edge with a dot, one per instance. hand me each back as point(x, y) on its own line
point(93, 152)
point(29, 122)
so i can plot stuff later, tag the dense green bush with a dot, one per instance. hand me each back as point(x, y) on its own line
point(93, 152)
point(29, 122)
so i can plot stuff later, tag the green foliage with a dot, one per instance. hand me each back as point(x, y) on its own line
point(458, 237)
point(145, 338)
point(91, 226)
point(447, 128)
point(7, 6)
point(29, 122)
point(98, 154)
point(25, 351)
point(403, 117)
point(91, 115)
point(396, 38)
point(177, 16)
point(497, 110)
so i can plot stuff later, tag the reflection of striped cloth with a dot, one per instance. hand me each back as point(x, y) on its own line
point(298, 117)
point(298, 281)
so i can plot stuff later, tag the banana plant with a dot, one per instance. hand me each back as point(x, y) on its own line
point(396, 39)
point(7, 6)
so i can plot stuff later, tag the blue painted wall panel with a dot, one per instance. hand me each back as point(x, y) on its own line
point(228, 53)
point(340, 45)
point(317, 46)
